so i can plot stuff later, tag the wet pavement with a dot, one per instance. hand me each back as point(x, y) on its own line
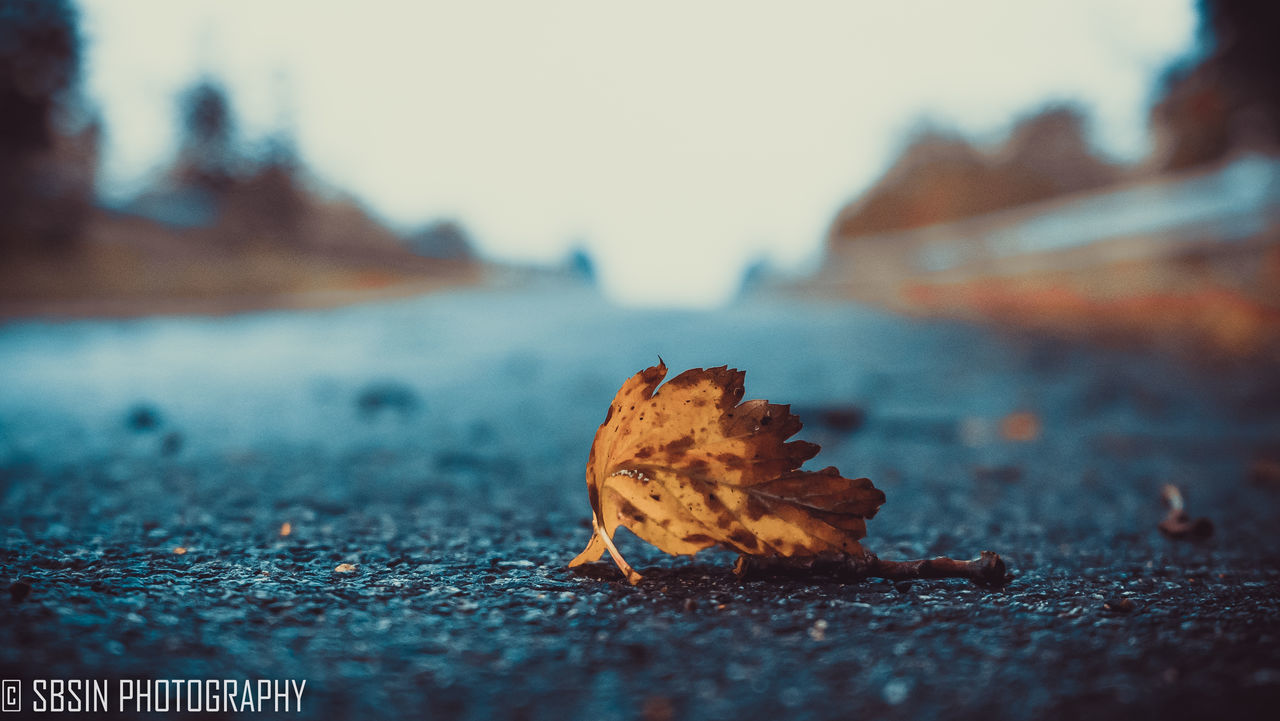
point(437, 446)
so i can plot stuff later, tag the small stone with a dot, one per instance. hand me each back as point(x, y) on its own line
point(818, 631)
point(895, 692)
point(387, 396)
point(143, 418)
point(690, 604)
point(1119, 605)
point(19, 590)
point(657, 708)
point(848, 417)
point(171, 444)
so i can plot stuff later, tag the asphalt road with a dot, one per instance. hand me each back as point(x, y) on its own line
point(437, 446)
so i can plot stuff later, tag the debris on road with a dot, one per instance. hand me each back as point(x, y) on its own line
point(1179, 524)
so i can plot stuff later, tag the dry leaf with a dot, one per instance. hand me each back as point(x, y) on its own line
point(179, 550)
point(345, 568)
point(688, 466)
point(286, 528)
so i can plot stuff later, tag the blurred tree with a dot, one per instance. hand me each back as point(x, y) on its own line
point(1245, 46)
point(580, 265)
point(207, 159)
point(257, 194)
point(43, 203)
point(1230, 98)
point(39, 61)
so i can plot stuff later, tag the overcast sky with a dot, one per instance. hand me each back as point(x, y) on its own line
point(677, 141)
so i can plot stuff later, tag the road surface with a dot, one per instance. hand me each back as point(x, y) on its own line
point(437, 446)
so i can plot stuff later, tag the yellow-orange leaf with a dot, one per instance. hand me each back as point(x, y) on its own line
point(689, 465)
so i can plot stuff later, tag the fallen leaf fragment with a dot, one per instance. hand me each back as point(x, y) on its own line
point(179, 550)
point(345, 568)
point(1021, 426)
point(286, 528)
point(690, 465)
point(1179, 524)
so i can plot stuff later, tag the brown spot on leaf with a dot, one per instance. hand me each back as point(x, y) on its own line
point(731, 461)
point(755, 509)
point(742, 538)
point(626, 508)
point(679, 446)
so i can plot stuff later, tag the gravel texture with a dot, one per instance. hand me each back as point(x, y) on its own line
point(437, 446)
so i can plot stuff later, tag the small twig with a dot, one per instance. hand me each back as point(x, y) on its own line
point(986, 569)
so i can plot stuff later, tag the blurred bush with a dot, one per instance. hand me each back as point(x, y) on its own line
point(940, 176)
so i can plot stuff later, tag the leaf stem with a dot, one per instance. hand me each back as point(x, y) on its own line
point(987, 569)
point(632, 577)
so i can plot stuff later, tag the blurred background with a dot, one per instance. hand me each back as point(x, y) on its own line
point(1097, 167)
